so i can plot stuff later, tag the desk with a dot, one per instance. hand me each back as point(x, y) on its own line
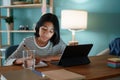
point(97, 69)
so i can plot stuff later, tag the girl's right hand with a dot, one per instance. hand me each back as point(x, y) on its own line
point(37, 60)
point(18, 61)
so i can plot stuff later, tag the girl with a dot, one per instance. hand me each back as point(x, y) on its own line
point(46, 42)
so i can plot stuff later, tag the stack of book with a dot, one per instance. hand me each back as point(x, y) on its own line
point(113, 62)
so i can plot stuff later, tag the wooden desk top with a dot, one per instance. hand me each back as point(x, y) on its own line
point(97, 69)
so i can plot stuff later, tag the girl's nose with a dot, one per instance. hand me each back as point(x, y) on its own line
point(46, 33)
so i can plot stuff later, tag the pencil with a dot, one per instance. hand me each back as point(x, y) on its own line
point(25, 47)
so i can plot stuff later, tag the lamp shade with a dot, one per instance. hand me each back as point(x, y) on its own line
point(74, 19)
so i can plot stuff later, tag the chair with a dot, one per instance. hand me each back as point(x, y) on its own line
point(114, 47)
point(10, 50)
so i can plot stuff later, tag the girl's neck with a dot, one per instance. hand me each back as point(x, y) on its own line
point(40, 42)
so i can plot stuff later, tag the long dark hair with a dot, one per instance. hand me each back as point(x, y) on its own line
point(49, 17)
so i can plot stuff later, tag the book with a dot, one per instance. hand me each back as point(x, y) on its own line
point(24, 74)
point(113, 64)
point(114, 60)
point(63, 74)
point(2, 77)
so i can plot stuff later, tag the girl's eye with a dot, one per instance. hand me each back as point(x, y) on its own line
point(51, 31)
point(44, 28)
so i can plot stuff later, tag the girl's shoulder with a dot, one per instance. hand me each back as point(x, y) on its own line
point(61, 43)
point(29, 38)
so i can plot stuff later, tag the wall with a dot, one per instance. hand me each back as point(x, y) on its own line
point(103, 21)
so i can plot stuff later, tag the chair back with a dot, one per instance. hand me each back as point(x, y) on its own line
point(114, 47)
point(10, 50)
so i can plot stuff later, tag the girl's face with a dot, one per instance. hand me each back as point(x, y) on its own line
point(46, 31)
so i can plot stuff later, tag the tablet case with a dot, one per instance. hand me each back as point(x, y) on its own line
point(75, 55)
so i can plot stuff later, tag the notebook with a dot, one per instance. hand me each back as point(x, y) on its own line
point(58, 75)
point(40, 64)
point(74, 55)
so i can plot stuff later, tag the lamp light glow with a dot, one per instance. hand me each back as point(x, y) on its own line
point(73, 20)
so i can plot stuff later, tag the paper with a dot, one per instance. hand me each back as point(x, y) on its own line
point(41, 64)
point(63, 74)
point(114, 59)
point(9, 62)
point(2, 77)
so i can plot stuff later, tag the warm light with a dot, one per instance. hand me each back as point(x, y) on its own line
point(73, 20)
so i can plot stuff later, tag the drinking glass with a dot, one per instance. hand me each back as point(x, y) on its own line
point(29, 59)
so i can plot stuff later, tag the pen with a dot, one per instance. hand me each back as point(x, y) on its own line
point(37, 59)
point(27, 50)
point(25, 47)
point(39, 73)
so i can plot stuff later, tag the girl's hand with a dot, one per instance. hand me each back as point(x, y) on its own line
point(50, 58)
point(18, 61)
point(37, 60)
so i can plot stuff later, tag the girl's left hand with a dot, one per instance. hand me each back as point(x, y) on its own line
point(50, 58)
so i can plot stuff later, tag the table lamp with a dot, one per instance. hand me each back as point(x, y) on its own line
point(73, 20)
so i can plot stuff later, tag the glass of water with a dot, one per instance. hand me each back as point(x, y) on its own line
point(29, 59)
